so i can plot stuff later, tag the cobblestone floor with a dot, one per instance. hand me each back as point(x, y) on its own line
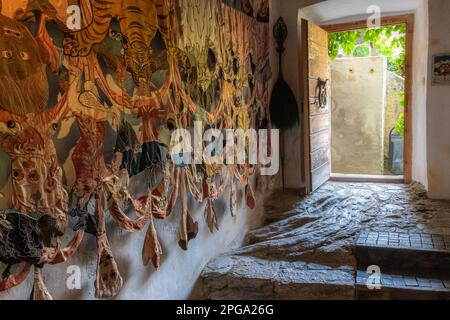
point(319, 233)
point(324, 227)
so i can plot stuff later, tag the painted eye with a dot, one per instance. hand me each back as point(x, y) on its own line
point(25, 56)
point(33, 176)
point(12, 32)
point(17, 175)
point(11, 124)
point(6, 54)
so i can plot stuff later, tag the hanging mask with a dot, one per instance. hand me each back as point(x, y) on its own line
point(23, 80)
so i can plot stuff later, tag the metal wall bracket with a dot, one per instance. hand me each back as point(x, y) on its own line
point(322, 93)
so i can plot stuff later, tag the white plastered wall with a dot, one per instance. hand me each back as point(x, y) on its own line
point(336, 11)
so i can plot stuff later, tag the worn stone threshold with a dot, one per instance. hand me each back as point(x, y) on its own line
point(363, 178)
point(246, 278)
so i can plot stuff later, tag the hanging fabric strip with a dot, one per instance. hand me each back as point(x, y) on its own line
point(188, 228)
point(63, 255)
point(108, 281)
point(152, 250)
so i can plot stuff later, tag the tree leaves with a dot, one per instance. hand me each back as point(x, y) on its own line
point(388, 41)
point(400, 125)
point(345, 40)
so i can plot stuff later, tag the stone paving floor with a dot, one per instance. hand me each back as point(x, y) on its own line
point(415, 241)
point(406, 281)
point(306, 249)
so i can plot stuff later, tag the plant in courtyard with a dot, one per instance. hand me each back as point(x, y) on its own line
point(388, 41)
point(400, 125)
point(362, 50)
point(401, 95)
point(345, 40)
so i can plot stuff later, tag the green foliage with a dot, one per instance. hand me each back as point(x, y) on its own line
point(346, 40)
point(389, 41)
point(362, 50)
point(400, 125)
point(401, 95)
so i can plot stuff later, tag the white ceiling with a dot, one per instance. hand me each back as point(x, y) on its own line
point(341, 10)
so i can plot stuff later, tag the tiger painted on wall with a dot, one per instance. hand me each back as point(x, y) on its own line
point(139, 22)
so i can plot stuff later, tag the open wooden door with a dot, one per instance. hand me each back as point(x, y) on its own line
point(317, 105)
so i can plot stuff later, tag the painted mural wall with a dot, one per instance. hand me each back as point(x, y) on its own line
point(90, 93)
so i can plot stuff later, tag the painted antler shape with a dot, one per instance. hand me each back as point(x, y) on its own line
point(63, 255)
point(17, 279)
point(119, 193)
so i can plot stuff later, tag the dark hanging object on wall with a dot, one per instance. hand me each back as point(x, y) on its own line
point(283, 105)
point(126, 143)
point(151, 156)
point(322, 93)
point(21, 240)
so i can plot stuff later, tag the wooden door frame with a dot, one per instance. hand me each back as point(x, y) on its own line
point(407, 19)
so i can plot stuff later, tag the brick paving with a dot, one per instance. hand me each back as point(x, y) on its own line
point(399, 281)
point(413, 241)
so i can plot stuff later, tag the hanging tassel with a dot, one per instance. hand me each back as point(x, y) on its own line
point(250, 197)
point(233, 198)
point(211, 217)
point(192, 228)
point(189, 228)
point(152, 248)
point(183, 233)
point(40, 289)
point(108, 280)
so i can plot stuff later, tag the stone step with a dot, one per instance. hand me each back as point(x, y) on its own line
point(401, 287)
point(236, 277)
point(402, 253)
